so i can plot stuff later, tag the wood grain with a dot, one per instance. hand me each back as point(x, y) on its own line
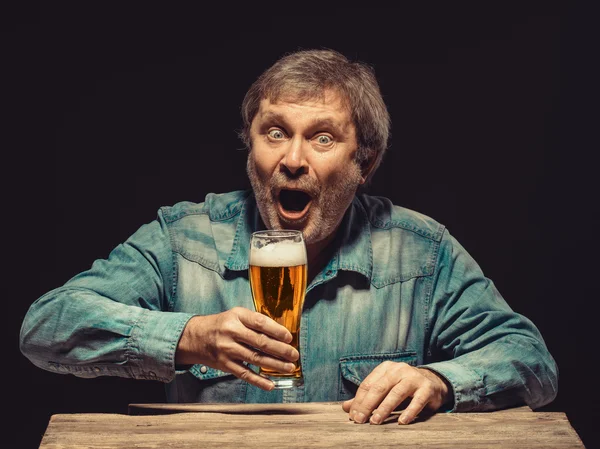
point(302, 425)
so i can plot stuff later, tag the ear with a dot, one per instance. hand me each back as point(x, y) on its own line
point(366, 167)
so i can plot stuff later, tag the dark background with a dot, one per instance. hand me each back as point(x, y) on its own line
point(112, 110)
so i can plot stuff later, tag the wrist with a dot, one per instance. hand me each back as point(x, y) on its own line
point(186, 351)
point(444, 387)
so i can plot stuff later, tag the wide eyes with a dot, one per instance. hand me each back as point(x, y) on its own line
point(277, 134)
point(324, 140)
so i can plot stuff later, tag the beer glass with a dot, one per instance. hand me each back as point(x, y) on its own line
point(278, 275)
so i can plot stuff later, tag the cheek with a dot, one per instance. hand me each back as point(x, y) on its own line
point(265, 162)
point(337, 174)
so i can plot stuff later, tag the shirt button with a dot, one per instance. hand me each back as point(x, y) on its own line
point(203, 369)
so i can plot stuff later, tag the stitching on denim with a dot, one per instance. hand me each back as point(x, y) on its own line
point(234, 247)
point(173, 217)
point(434, 262)
point(353, 358)
point(203, 263)
point(174, 268)
point(129, 352)
point(211, 373)
point(231, 210)
point(172, 348)
point(403, 224)
point(366, 224)
point(402, 277)
point(303, 341)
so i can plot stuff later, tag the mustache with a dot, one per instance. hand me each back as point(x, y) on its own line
point(281, 181)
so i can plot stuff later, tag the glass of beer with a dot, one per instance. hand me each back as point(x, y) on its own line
point(278, 282)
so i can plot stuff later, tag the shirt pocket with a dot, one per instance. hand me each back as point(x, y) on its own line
point(355, 368)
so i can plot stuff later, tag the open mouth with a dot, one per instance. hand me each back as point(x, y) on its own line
point(294, 200)
point(293, 204)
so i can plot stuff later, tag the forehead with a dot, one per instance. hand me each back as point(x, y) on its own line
point(329, 106)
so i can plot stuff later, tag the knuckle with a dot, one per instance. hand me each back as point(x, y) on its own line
point(262, 342)
point(375, 387)
point(379, 388)
point(244, 374)
point(397, 392)
point(387, 364)
point(397, 369)
point(229, 326)
point(255, 358)
point(402, 367)
point(428, 390)
point(365, 386)
point(237, 310)
point(419, 401)
point(259, 319)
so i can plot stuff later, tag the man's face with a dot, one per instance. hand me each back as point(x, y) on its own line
point(302, 164)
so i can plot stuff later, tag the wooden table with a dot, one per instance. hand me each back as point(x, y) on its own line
point(267, 426)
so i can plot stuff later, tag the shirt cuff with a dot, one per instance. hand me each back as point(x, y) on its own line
point(153, 342)
point(467, 385)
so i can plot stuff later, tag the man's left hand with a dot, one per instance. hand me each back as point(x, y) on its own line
point(389, 385)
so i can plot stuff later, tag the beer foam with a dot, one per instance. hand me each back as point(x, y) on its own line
point(279, 254)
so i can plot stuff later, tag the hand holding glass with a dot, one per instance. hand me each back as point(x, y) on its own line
point(278, 275)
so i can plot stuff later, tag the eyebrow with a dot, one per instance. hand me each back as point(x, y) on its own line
point(317, 122)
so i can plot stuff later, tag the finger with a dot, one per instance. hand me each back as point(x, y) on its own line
point(418, 402)
point(241, 371)
point(264, 324)
point(346, 405)
point(258, 358)
point(395, 397)
point(369, 394)
point(267, 345)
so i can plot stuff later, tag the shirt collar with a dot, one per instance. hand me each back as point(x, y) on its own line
point(354, 236)
point(248, 221)
point(355, 252)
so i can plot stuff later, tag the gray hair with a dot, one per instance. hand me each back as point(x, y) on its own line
point(305, 75)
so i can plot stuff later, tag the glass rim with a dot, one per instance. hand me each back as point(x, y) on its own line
point(278, 233)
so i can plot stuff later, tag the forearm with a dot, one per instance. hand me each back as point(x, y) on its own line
point(76, 331)
point(494, 356)
point(513, 370)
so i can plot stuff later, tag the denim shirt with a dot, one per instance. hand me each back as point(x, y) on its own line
point(399, 287)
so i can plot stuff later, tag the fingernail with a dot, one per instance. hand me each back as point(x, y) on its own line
point(352, 413)
point(360, 418)
point(375, 419)
point(404, 420)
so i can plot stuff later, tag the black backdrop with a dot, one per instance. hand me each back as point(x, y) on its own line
point(113, 110)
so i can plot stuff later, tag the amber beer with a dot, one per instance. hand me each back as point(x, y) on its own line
point(278, 282)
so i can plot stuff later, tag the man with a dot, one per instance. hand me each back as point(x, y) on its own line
point(396, 311)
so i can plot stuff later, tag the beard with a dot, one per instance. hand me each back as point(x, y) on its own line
point(326, 210)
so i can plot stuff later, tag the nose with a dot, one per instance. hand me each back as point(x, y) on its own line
point(294, 160)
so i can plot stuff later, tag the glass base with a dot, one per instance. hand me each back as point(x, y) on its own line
point(281, 383)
